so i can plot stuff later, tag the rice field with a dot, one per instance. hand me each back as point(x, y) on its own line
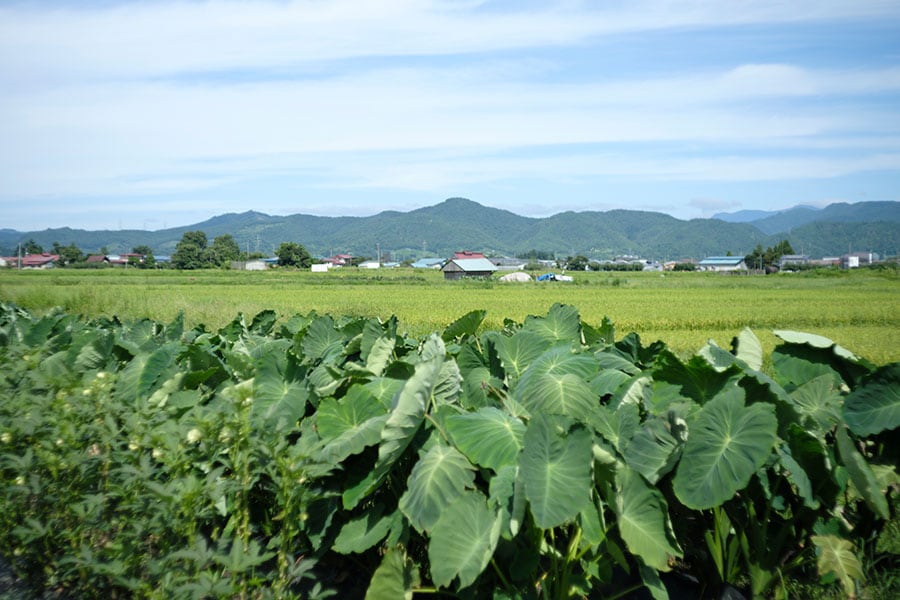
point(860, 310)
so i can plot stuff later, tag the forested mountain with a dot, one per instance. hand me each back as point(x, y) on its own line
point(458, 223)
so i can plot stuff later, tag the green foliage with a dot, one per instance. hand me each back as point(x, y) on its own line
point(190, 252)
point(540, 460)
point(292, 254)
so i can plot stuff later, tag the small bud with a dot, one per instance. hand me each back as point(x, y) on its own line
point(194, 435)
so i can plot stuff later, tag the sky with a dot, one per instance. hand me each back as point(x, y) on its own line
point(153, 114)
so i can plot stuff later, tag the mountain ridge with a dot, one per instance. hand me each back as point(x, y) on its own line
point(459, 223)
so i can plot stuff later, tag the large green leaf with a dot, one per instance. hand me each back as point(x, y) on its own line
point(820, 351)
point(463, 540)
point(861, 474)
point(439, 478)
point(874, 406)
point(465, 325)
point(837, 556)
point(401, 426)
point(557, 361)
point(555, 465)
point(519, 351)
point(380, 354)
point(395, 578)
point(565, 394)
point(322, 342)
point(644, 520)
point(279, 393)
point(335, 417)
point(747, 348)
point(489, 437)
point(359, 534)
point(727, 443)
point(562, 324)
point(652, 451)
point(145, 371)
point(818, 402)
point(350, 424)
point(698, 379)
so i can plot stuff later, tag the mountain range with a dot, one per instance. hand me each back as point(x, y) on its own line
point(458, 224)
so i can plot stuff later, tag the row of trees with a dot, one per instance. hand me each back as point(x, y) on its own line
point(193, 252)
point(764, 259)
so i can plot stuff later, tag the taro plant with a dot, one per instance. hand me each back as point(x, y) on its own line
point(323, 455)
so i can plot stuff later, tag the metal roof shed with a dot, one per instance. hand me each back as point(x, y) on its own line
point(457, 268)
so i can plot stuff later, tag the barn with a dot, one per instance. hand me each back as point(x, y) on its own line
point(457, 268)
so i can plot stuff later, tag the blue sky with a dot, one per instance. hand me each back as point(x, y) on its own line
point(157, 114)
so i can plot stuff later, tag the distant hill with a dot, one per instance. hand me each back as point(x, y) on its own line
point(841, 212)
point(458, 224)
point(744, 216)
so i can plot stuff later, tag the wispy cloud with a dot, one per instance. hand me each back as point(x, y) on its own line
point(148, 99)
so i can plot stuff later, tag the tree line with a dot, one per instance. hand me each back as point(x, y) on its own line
point(193, 251)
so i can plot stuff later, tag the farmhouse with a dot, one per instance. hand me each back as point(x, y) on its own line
point(723, 263)
point(32, 261)
point(457, 268)
point(467, 254)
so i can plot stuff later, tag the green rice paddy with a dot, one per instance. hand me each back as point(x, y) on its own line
point(859, 310)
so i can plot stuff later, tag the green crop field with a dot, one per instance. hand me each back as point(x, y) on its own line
point(860, 310)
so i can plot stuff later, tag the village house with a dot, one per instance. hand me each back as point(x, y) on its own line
point(457, 268)
point(44, 260)
point(723, 263)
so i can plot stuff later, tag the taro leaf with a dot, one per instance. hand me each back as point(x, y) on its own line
point(263, 322)
point(559, 360)
point(837, 556)
point(562, 324)
point(630, 348)
point(446, 389)
point(336, 417)
point(361, 533)
point(374, 330)
point(861, 475)
point(355, 440)
point(322, 342)
point(385, 389)
point(555, 466)
point(637, 392)
point(401, 426)
point(727, 443)
point(698, 379)
point(95, 352)
point(652, 450)
point(470, 358)
point(519, 351)
point(137, 337)
point(565, 394)
point(610, 360)
point(819, 402)
point(651, 580)
point(279, 393)
point(508, 495)
point(489, 437)
point(747, 348)
point(463, 540)
point(821, 351)
point(797, 476)
point(380, 354)
point(465, 325)
point(644, 520)
point(395, 578)
point(874, 406)
point(616, 427)
point(607, 382)
point(140, 377)
point(437, 480)
point(350, 424)
point(476, 386)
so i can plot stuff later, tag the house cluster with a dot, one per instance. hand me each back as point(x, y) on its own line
point(788, 262)
point(45, 260)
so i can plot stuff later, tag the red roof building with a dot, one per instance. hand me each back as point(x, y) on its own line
point(464, 254)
